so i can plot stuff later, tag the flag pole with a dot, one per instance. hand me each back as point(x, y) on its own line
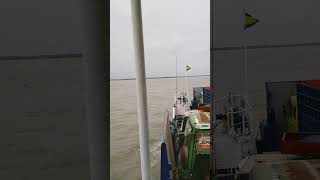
point(176, 76)
point(245, 58)
point(245, 70)
point(212, 113)
point(186, 80)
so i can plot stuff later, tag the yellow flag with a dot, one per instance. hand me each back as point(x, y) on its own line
point(249, 21)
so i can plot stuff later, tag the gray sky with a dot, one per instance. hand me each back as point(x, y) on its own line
point(184, 26)
point(170, 26)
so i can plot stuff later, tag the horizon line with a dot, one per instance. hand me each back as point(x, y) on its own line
point(160, 77)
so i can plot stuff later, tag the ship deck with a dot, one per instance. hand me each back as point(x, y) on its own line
point(275, 166)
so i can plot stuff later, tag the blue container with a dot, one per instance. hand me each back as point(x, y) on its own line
point(206, 95)
point(308, 100)
point(197, 94)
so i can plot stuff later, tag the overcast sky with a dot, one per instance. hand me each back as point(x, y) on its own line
point(171, 27)
point(183, 27)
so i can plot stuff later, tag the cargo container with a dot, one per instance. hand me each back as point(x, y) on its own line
point(293, 116)
point(201, 95)
point(301, 144)
point(308, 100)
point(279, 96)
point(206, 95)
point(198, 95)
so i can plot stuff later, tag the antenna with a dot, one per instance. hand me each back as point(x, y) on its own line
point(186, 77)
point(188, 67)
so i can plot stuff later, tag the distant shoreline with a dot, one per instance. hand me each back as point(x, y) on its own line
point(164, 77)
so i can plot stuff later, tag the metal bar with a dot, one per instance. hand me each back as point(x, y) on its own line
point(236, 112)
point(269, 46)
point(231, 111)
point(141, 88)
point(245, 76)
point(239, 123)
point(176, 78)
point(243, 122)
point(96, 83)
point(186, 81)
point(245, 71)
point(41, 57)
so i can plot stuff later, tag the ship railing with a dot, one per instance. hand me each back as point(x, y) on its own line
point(223, 104)
point(243, 110)
point(239, 123)
point(167, 157)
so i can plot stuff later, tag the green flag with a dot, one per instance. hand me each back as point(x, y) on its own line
point(188, 67)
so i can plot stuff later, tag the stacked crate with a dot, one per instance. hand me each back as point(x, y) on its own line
point(308, 99)
point(197, 95)
point(206, 95)
point(201, 95)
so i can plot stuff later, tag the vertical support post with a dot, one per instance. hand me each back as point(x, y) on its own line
point(95, 67)
point(231, 112)
point(245, 70)
point(228, 123)
point(212, 113)
point(176, 77)
point(186, 77)
point(141, 88)
point(243, 122)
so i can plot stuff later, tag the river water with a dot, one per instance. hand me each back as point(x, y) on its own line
point(124, 139)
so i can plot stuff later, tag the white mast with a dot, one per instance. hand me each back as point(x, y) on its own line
point(186, 80)
point(141, 89)
point(176, 77)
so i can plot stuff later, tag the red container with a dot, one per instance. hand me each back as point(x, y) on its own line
point(204, 107)
point(312, 83)
point(296, 143)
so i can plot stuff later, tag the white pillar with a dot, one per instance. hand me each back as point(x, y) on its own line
point(141, 89)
